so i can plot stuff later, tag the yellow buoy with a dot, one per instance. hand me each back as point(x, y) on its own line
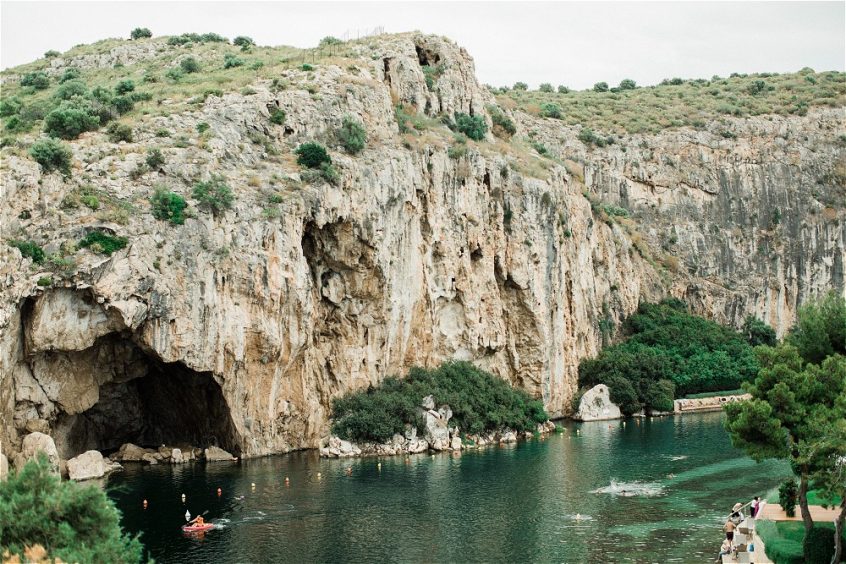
point(145, 504)
point(183, 498)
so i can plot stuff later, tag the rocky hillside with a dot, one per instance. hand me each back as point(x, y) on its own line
point(519, 251)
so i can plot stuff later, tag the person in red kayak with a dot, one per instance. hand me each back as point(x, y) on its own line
point(199, 521)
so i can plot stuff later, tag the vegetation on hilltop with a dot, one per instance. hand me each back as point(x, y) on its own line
point(677, 102)
point(668, 353)
point(73, 522)
point(479, 401)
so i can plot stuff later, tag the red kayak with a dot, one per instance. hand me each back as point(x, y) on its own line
point(197, 528)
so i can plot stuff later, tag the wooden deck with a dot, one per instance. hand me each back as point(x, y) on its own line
point(774, 512)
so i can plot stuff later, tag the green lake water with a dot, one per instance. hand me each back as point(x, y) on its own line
point(648, 491)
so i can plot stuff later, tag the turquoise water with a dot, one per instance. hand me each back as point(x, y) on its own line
point(515, 504)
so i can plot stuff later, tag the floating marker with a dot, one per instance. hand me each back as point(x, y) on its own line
point(379, 466)
point(253, 485)
point(145, 504)
point(287, 481)
point(219, 491)
point(318, 475)
point(183, 498)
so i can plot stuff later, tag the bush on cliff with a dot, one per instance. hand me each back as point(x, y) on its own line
point(312, 155)
point(74, 523)
point(669, 352)
point(479, 401)
point(52, 155)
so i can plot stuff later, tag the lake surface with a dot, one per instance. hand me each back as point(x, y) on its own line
point(648, 491)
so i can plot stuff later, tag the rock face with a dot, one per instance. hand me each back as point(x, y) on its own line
point(4, 467)
point(213, 454)
point(437, 427)
point(87, 465)
point(239, 328)
point(596, 405)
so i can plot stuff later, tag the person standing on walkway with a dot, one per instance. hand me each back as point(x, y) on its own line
point(729, 530)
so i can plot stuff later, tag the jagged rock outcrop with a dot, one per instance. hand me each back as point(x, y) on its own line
point(34, 444)
point(90, 465)
point(239, 328)
point(596, 405)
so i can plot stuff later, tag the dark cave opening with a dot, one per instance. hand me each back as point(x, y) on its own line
point(170, 404)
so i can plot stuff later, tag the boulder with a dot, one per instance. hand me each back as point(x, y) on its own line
point(34, 443)
point(88, 465)
point(508, 436)
point(596, 405)
point(176, 456)
point(215, 454)
point(455, 443)
point(149, 458)
point(416, 446)
point(437, 427)
point(428, 402)
point(165, 451)
point(129, 452)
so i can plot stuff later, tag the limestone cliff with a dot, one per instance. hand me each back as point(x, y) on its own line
point(239, 328)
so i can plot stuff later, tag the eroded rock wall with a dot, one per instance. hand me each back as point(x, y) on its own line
point(306, 290)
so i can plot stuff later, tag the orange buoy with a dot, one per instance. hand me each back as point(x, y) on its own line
point(287, 481)
point(219, 491)
point(145, 504)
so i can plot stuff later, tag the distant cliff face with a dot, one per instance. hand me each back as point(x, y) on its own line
point(239, 329)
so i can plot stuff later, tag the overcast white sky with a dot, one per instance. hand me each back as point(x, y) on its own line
point(571, 43)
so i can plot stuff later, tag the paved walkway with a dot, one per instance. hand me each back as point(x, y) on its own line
point(774, 512)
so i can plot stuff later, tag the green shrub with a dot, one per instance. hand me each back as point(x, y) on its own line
point(352, 135)
point(202, 127)
point(71, 119)
point(330, 173)
point(758, 333)
point(627, 84)
point(600, 87)
point(73, 522)
point(51, 155)
point(213, 195)
point(787, 497)
point(307, 67)
point(666, 345)
point(589, 137)
point(563, 89)
point(479, 401)
point(175, 74)
point(124, 87)
point(154, 159)
point(243, 42)
point(140, 33)
point(10, 107)
point(45, 281)
point(503, 127)
point(17, 124)
point(102, 243)
point(29, 250)
point(37, 80)
point(473, 127)
point(520, 86)
point(189, 65)
point(119, 132)
point(90, 201)
point(51, 54)
point(312, 155)
point(551, 110)
point(778, 547)
point(71, 88)
point(545, 87)
point(123, 104)
point(230, 61)
point(329, 40)
point(277, 116)
point(71, 73)
point(168, 206)
point(818, 545)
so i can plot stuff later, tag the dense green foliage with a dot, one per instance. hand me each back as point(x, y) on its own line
point(71, 119)
point(473, 127)
point(74, 523)
point(189, 65)
point(479, 402)
point(551, 110)
point(277, 116)
point(758, 333)
point(124, 86)
point(119, 132)
point(155, 159)
point(70, 88)
point(787, 493)
point(312, 155)
point(213, 195)
point(231, 61)
point(820, 331)
point(140, 32)
point(102, 243)
point(29, 250)
point(168, 206)
point(352, 135)
point(37, 80)
point(51, 155)
point(503, 126)
point(817, 546)
point(243, 42)
point(784, 541)
point(669, 352)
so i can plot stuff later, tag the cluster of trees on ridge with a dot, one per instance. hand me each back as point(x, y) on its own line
point(670, 353)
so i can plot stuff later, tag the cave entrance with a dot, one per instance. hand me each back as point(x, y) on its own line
point(168, 404)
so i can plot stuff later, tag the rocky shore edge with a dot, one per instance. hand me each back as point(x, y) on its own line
point(438, 436)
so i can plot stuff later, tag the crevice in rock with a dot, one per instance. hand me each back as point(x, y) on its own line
point(426, 57)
